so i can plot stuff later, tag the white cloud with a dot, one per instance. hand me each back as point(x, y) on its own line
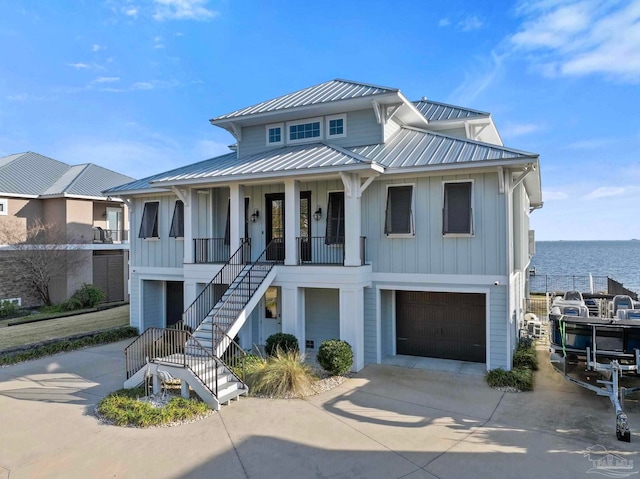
point(158, 42)
point(106, 79)
point(444, 22)
point(582, 37)
point(78, 66)
point(97, 48)
point(554, 195)
point(479, 79)
point(18, 97)
point(131, 11)
point(606, 192)
point(183, 10)
point(142, 85)
point(519, 129)
point(470, 23)
point(591, 144)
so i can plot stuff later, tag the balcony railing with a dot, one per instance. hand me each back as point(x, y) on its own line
point(316, 250)
point(210, 250)
point(102, 236)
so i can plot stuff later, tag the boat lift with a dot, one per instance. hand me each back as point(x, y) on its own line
point(612, 366)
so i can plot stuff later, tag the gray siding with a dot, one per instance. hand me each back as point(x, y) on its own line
point(203, 228)
point(164, 252)
point(370, 330)
point(429, 251)
point(362, 129)
point(153, 304)
point(322, 314)
point(386, 322)
point(498, 327)
point(135, 303)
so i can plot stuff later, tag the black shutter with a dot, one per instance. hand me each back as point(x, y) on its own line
point(149, 223)
point(398, 214)
point(457, 208)
point(335, 219)
point(227, 228)
point(177, 223)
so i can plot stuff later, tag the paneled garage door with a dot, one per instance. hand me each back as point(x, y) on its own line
point(441, 325)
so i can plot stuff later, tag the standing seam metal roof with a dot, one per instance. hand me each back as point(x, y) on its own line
point(435, 111)
point(333, 90)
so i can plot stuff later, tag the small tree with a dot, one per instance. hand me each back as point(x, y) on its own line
point(47, 253)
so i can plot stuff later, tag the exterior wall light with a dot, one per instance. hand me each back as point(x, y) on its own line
point(318, 214)
point(255, 216)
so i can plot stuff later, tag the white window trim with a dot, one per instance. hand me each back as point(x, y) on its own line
point(342, 117)
point(282, 133)
point(151, 238)
point(5, 206)
point(302, 122)
point(473, 220)
point(413, 211)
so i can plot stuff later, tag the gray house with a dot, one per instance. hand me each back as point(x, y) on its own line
point(401, 227)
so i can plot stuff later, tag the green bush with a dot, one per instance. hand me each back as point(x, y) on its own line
point(285, 374)
point(335, 356)
point(88, 296)
point(9, 309)
point(123, 408)
point(284, 342)
point(526, 357)
point(519, 378)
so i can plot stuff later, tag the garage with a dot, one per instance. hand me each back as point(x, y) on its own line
point(441, 325)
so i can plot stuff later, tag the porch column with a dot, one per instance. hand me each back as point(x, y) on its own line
point(352, 322)
point(236, 227)
point(352, 219)
point(293, 313)
point(190, 219)
point(291, 220)
point(190, 293)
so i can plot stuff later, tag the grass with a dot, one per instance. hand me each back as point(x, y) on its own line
point(63, 345)
point(123, 408)
point(31, 333)
point(283, 375)
point(525, 361)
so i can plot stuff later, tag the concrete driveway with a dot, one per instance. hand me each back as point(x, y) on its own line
point(388, 422)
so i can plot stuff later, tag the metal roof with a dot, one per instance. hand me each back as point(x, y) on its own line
point(410, 147)
point(435, 111)
point(333, 90)
point(33, 174)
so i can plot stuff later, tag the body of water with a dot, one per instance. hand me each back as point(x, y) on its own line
point(620, 260)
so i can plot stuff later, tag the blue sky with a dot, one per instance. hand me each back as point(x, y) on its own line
point(130, 85)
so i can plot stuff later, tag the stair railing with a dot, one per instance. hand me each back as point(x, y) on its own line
point(234, 357)
point(209, 296)
point(227, 312)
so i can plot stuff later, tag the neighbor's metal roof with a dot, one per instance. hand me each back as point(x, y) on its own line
point(33, 174)
point(436, 111)
point(410, 147)
point(333, 90)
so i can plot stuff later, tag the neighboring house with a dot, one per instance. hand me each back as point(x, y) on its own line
point(36, 188)
point(401, 227)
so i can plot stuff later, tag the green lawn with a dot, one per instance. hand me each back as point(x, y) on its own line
point(30, 333)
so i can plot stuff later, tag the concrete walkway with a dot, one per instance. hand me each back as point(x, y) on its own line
point(388, 422)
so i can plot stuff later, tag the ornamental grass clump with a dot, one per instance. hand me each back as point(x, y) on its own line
point(283, 375)
point(335, 356)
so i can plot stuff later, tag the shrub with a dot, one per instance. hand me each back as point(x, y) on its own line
point(518, 378)
point(123, 408)
point(284, 342)
point(526, 357)
point(9, 309)
point(335, 356)
point(71, 304)
point(283, 375)
point(88, 296)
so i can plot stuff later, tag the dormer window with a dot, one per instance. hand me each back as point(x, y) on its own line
point(274, 134)
point(305, 130)
point(336, 126)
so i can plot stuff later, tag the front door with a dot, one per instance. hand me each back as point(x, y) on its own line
point(272, 322)
point(275, 226)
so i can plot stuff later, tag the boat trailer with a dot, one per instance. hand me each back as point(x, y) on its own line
point(612, 370)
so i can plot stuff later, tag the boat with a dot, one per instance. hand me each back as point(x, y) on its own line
point(608, 344)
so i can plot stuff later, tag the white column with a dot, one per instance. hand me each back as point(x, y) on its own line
point(236, 230)
point(190, 224)
point(352, 323)
point(292, 315)
point(190, 293)
point(291, 220)
point(352, 219)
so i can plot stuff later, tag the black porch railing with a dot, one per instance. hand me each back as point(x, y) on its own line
point(210, 250)
point(316, 250)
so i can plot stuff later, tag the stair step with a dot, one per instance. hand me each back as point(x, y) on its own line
point(233, 395)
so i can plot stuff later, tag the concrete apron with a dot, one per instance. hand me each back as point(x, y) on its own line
point(387, 422)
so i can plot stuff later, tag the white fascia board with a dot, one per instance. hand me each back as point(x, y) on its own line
point(17, 195)
point(413, 109)
point(146, 191)
point(485, 164)
point(441, 280)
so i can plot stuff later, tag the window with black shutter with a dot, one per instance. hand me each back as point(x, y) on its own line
point(335, 219)
point(399, 214)
point(457, 214)
point(149, 224)
point(177, 223)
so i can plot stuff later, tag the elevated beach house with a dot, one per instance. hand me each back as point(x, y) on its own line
point(345, 211)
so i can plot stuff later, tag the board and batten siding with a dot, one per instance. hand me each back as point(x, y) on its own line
point(164, 252)
point(370, 330)
point(322, 315)
point(135, 302)
point(498, 328)
point(362, 129)
point(153, 304)
point(429, 252)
